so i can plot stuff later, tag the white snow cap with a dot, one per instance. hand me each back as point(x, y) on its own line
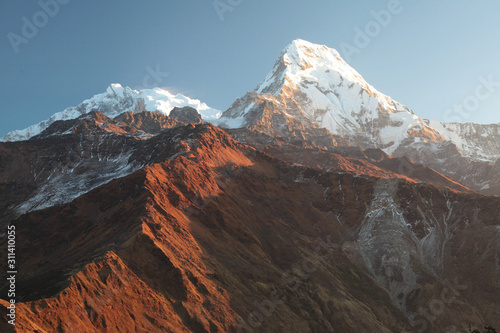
point(305, 61)
point(335, 96)
point(116, 100)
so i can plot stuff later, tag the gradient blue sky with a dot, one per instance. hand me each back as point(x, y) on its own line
point(429, 57)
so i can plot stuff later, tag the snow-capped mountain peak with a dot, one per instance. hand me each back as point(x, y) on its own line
point(116, 100)
point(302, 62)
point(300, 56)
point(116, 89)
point(333, 95)
point(312, 81)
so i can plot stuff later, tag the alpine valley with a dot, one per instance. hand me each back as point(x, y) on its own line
point(315, 203)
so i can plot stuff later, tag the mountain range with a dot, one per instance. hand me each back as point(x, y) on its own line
point(315, 203)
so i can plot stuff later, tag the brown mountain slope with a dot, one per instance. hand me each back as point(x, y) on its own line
point(75, 156)
point(371, 162)
point(72, 157)
point(225, 238)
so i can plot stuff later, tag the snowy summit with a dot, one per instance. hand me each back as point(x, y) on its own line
point(116, 100)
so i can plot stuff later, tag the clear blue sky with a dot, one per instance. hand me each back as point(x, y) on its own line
point(429, 57)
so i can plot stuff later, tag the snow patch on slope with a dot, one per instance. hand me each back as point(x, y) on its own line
point(65, 186)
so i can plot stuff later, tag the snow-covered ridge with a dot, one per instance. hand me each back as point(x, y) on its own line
point(477, 141)
point(116, 100)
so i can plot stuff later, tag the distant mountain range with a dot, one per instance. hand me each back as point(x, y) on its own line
point(314, 203)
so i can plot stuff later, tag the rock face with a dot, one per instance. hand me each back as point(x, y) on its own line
point(186, 115)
